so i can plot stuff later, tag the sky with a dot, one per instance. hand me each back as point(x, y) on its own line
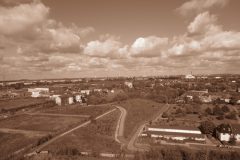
point(41, 39)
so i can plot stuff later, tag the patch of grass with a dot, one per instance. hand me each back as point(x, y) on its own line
point(10, 143)
point(18, 103)
point(95, 137)
point(138, 112)
point(79, 110)
point(41, 123)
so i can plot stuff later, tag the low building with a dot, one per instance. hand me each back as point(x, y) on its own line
point(129, 84)
point(224, 132)
point(189, 76)
point(179, 133)
point(78, 98)
point(86, 92)
point(38, 92)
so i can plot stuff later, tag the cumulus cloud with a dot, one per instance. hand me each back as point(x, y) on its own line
point(151, 46)
point(204, 23)
point(110, 48)
point(198, 6)
point(22, 17)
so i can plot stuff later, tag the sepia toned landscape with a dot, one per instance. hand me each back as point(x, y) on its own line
point(119, 80)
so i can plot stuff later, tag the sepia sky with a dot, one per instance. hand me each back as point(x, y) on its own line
point(91, 38)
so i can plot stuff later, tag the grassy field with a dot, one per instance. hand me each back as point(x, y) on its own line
point(79, 110)
point(138, 111)
point(95, 137)
point(40, 123)
point(17, 103)
point(10, 143)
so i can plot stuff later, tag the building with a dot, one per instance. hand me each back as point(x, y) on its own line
point(39, 92)
point(189, 76)
point(78, 98)
point(224, 132)
point(57, 99)
point(129, 84)
point(86, 92)
point(178, 133)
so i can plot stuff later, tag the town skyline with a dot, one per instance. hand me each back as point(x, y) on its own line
point(42, 39)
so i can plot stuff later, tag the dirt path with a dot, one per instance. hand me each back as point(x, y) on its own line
point(61, 115)
point(71, 130)
point(27, 133)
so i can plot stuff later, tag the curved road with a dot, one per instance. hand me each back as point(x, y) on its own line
point(119, 133)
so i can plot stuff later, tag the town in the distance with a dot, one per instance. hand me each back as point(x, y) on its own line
point(174, 117)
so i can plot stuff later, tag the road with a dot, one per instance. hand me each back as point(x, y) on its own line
point(39, 148)
point(132, 145)
point(119, 133)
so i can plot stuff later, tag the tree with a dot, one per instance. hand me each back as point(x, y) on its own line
point(225, 109)
point(207, 127)
point(217, 111)
point(208, 111)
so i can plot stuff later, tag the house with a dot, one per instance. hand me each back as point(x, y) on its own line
point(189, 76)
point(78, 98)
point(38, 92)
point(62, 100)
point(224, 132)
point(57, 99)
point(129, 84)
point(178, 133)
point(86, 92)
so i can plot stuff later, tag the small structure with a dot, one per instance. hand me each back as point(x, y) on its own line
point(224, 132)
point(86, 92)
point(189, 76)
point(129, 84)
point(38, 92)
point(78, 98)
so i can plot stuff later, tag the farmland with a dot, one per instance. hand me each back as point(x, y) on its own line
point(40, 123)
point(138, 111)
point(97, 136)
point(18, 103)
point(78, 110)
point(11, 142)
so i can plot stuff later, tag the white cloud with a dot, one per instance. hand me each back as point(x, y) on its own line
point(198, 6)
point(22, 17)
point(110, 48)
point(204, 23)
point(151, 46)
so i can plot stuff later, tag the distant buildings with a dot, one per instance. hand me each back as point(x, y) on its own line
point(38, 92)
point(189, 76)
point(86, 92)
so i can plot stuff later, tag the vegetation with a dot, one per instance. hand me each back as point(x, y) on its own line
point(139, 111)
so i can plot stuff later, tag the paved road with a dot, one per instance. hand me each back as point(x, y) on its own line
point(71, 130)
point(119, 133)
point(132, 145)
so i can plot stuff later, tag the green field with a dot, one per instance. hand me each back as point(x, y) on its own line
point(10, 143)
point(95, 137)
point(79, 110)
point(17, 103)
point(41, 123)
point(138, 112)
